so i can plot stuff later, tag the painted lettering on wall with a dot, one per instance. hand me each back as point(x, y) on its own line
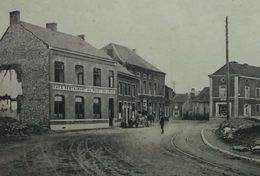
point(88, 89)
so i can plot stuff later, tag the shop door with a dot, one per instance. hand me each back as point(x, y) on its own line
point(111, 111)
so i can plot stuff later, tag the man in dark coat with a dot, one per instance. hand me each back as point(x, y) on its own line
point(162, 124)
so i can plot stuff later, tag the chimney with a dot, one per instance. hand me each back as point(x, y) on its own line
point(82, 36)
point(134, 50)
point(52, 26)
point(14, 17)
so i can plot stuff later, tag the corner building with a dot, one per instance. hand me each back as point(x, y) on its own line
point(65, 82)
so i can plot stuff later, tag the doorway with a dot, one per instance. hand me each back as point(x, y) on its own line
point(111, 111)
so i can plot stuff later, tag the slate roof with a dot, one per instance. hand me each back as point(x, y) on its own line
point(64, 41)
point(122, 69)
point(203, 96)
point(180, 98)
point(127, 55)
point(241, 69)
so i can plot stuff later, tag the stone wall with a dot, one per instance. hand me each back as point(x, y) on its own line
point(19, 46)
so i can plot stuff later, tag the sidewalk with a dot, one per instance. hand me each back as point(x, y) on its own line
point(209, 138)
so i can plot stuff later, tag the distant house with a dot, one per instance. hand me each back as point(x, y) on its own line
point(244, 91)
point(177, 103)
point(201, 104)
point(169, 94)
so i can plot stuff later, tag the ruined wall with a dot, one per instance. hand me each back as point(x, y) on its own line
point(10, 91)
point(20, 47)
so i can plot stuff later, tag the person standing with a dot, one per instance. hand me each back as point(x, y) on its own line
point(162, 124)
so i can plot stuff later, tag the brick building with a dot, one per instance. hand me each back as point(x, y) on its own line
point(177, 104)
point(169, 94)
point(127, 94)
point(151, 98)
point(62, 81)
point(244, 91)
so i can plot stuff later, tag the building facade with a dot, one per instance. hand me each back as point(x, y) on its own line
point(62, 81)
point(169, 94)
point(244, 91)
point(127, 87)
point(151, 92)
point(177, 105)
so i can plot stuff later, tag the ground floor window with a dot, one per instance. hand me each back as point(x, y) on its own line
point(79, 107)
point(247, 110)
point(59, 107)
point(257, 109)
point(97, 107)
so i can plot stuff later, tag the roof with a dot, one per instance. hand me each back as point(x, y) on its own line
point(64, 41)
point(122, 69)
point(241, 69)
point(180, 98)
point(203, 96)
point(129, 56)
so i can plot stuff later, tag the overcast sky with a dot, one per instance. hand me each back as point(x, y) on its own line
point(184, 38)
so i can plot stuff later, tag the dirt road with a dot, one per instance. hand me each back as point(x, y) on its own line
point(142, 151)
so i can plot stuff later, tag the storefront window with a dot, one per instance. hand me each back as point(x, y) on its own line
point(79, 107)
point(97, 108)
point(59, 107)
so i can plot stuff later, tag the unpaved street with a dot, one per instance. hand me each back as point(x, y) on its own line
point(142, 151)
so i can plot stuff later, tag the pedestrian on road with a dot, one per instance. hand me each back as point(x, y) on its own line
point(162, 124)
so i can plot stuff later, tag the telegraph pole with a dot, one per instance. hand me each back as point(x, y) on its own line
point(227, 74)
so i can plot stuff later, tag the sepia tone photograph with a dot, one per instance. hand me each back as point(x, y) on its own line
point(129, 88)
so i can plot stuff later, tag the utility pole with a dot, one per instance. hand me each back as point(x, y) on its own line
point(227, 74)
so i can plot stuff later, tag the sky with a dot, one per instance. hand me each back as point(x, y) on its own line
point(184, 38)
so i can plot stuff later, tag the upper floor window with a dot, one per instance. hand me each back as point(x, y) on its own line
point(79, 74)
point(145, 76)
point(128, 89)
point(111, 78)
point(138, 74)
point(97, 77)
point(120, 88)
point(125, 89)
point(79, 107)
point(257, 92)
point(150, 76)
point(133, 90)
point(59, 107)
point(144, 87)
point(222, 91)
point(59, 72)
point(247, 92)
point(155, 89)
point(150, 88)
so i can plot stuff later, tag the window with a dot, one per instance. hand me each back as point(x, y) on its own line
point(150, 76)
point(222, 91)
point(59, 72)
point(138, 74)
point(111, 78)
point(155, 89)
point(257, 92)
point(79, 74)
point(97, 77)
point(125, 88)
point(133, 90)
point(79, 107)
point(150, 88)
point(144, 75)
point(247, 92)
point(257, 109)
point(97, 108)
point(144, 87)
point(59, 107)
point(128, 89)
point(120, 88)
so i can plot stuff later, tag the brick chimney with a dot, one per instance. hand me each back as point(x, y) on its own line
point(14, 17)
point(52, 26)
point(82, 36)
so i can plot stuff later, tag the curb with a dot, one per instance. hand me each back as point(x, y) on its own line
point(227, 152)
